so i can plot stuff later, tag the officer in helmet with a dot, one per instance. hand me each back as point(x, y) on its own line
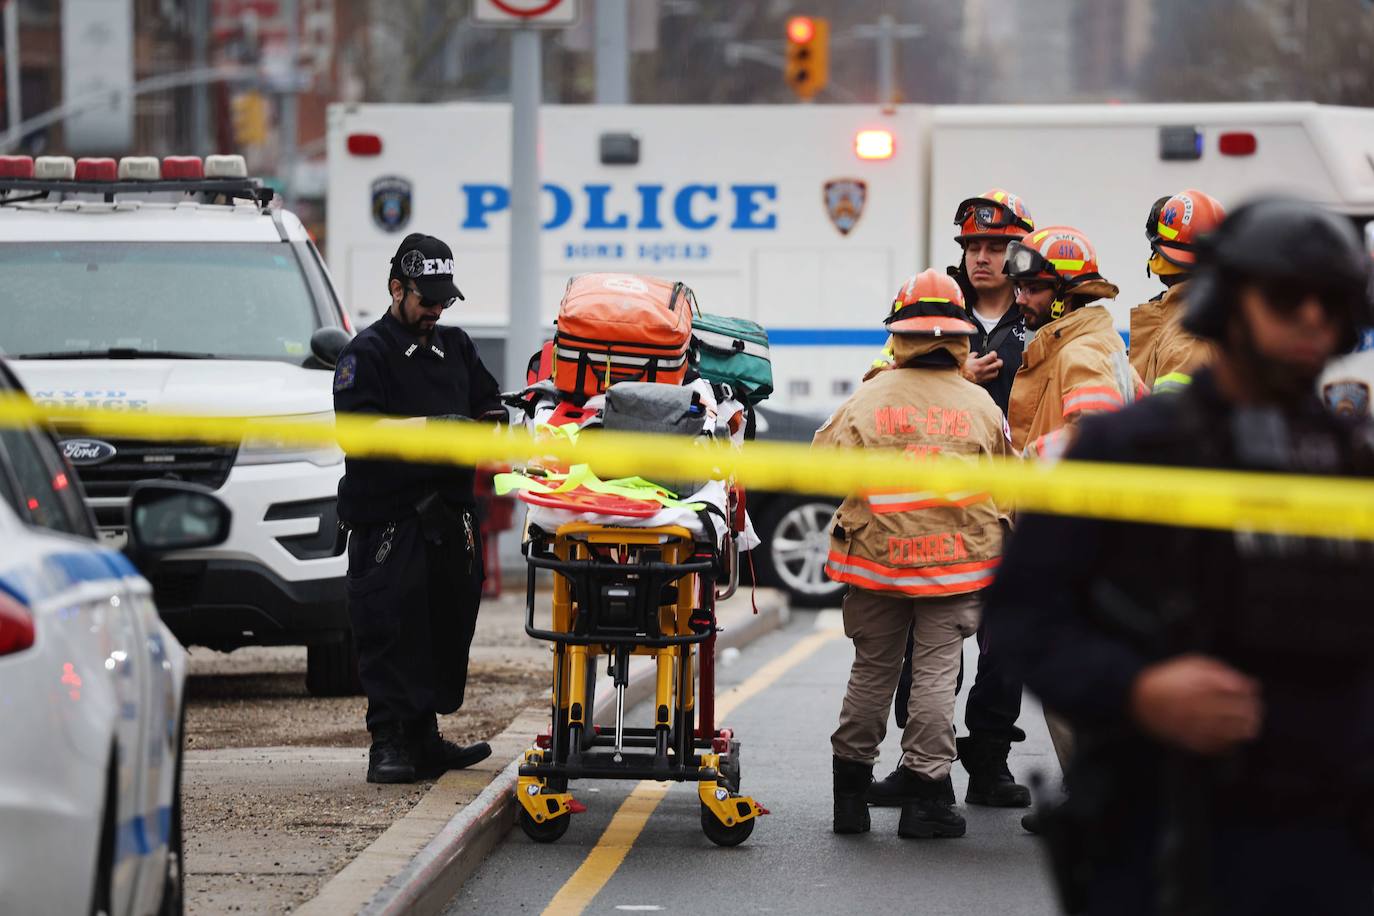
point(1162, 352)
point(1220, 683)
point(414, 550)
point(913, 560)
point(986, 225)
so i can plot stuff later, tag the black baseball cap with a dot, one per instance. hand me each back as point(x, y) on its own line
point(429, 262)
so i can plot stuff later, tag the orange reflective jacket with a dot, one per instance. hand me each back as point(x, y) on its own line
point(1163, 354)
point(913, 541)
point(1076, 365)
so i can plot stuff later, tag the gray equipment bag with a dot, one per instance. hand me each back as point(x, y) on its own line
point(651, 407)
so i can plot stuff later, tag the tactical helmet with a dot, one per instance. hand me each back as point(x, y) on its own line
point(1280, 241)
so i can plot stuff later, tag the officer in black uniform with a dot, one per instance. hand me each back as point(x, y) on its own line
point(1220, 683)
point(414, 553)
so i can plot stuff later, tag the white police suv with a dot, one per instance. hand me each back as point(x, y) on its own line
point(178, 285)
point(91, 690)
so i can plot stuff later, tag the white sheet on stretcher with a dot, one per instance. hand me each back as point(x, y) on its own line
point(713, 493)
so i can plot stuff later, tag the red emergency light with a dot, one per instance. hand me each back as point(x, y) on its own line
point(96, 169)
point(16, 166)
point(16, 626)
point(874, 144)
point(182, 167)
point(800, 30)
point(365, 144)
point(1237, 143)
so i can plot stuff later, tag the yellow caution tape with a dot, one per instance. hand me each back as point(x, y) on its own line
point(1248, 501)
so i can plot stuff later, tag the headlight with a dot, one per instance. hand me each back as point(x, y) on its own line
point(267, 450)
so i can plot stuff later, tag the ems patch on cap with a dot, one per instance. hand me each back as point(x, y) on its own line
point(345, 373)
point(391, 203)
point(1347, 398)
point(844, 202)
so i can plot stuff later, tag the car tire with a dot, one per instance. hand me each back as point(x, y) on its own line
point(331, 667)
point(794, 531)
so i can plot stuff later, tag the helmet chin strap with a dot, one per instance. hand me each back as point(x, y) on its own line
point(1059, 305)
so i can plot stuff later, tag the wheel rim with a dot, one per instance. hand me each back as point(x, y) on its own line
point(799, 546)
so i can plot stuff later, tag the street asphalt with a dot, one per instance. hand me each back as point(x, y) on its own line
point(792, 863)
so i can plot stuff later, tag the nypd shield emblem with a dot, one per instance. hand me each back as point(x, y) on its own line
point(391, 203)
point(844, 201)
point(1347, 398)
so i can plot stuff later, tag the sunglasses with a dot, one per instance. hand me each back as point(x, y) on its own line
point(1032, 286)
point(1287, 298)
point(429, 303)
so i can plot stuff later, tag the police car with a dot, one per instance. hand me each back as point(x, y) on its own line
point(91, 690)
point(177, 285)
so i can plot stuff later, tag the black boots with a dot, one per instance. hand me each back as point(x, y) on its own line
point(901, 786)
point(931, 812)
point(390, 760)
point(434, 755)
point(989, 780)
point(852, 780)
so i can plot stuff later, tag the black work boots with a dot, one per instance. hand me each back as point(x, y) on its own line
point(851, 783)
point(435, 755)
point(901, 786)
point(416, 750)
point(931, 812)
point(390, 759)
point(990, 781)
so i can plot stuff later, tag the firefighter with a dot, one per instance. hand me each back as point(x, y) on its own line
point(912, 558)
point(1221, 683)
point(1163, 354)
point(1076, 364)
point(986, 224)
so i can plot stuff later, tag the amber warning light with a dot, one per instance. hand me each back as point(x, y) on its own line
point(800, 29)
point(874, 144)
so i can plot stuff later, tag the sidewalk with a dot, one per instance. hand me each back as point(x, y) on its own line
point(268, 828)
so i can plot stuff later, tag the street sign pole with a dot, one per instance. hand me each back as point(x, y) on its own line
point(612, 52)
point(13, 89)
point(526, 334)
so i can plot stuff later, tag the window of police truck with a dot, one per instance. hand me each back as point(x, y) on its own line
point(227, 300)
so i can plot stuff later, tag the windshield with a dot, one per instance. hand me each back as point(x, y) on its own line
point(236, 300)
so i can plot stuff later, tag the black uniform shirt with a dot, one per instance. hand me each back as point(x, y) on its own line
point(388, 370)
point(1007, 339)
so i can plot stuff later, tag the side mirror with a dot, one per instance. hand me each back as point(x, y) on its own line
point(167, 515)
point(327, 343)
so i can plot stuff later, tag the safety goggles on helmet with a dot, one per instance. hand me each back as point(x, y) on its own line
point(1025, 263)
point(989, 214)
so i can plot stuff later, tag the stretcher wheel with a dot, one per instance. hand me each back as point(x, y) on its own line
point(722, 835)
point(551, 831)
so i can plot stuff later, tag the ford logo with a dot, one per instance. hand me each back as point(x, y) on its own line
point(85, 452)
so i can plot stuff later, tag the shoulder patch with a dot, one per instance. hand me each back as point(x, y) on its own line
point(345, 373)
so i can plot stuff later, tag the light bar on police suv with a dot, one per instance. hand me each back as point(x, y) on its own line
point(139, 168)
point(221, 166)
point(54, 168)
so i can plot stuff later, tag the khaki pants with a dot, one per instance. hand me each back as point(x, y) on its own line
point(877, 622)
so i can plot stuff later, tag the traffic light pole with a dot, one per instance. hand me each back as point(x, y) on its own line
point(612, 52)
point(14, 89)
point(526, 333)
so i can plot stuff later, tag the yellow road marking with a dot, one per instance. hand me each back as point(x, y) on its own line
point(629, 820)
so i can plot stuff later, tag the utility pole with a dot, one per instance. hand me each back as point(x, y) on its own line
point(14, 91)
point(526, 333)
point(288, 101)
point(886, 33)
point(612, 52)
point(201, 142)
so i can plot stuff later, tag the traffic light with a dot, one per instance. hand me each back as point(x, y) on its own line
point(249, 113)
point(808, 55)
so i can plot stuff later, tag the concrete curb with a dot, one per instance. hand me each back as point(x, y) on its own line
point(382, 881)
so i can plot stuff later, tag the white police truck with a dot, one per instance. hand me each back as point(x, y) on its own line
point(177, 285)
point(806, 219)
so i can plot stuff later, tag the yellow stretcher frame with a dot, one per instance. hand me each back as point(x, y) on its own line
point(579, 552)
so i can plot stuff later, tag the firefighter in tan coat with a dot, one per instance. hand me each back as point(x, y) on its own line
point(913, 557)
point(1076, 364)
point(1162, 352)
